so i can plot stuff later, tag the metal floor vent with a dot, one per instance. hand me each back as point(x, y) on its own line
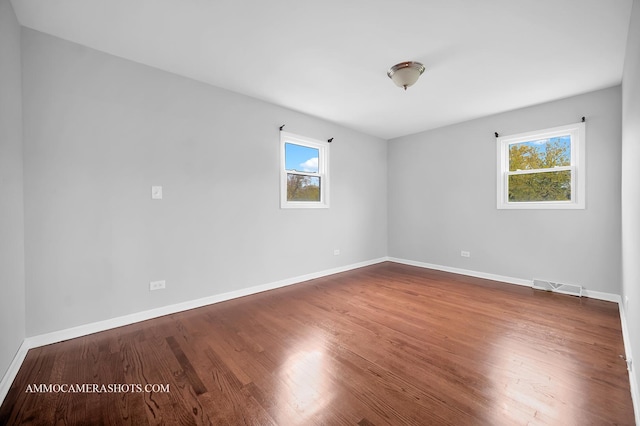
point(573, 290)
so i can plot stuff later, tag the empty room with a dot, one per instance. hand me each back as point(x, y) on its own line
point(319, 213)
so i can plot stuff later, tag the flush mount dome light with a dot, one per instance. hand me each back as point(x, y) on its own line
point(405, 74)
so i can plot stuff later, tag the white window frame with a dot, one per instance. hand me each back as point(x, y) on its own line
point(323, 172)
point(577, 168)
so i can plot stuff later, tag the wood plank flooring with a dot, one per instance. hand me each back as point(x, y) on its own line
point(385, 344)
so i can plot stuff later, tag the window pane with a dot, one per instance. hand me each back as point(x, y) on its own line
point(303, 188)
point(547, 186)
point(540, 154)
point(301, 158)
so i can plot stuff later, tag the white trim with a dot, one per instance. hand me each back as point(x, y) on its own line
point(578, 168)
point(12, 371)
point(95, 327)
point(609, 297)
point(322, 174)
point(633, 384)
point(485, 275)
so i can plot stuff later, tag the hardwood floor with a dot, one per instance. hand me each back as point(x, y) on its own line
point(385, 344)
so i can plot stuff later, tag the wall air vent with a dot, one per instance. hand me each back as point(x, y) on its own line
point(573, 290)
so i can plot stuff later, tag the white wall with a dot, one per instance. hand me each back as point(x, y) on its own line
point(99, 131)
point(442, 199)
point(12, 290)
point(631, 184)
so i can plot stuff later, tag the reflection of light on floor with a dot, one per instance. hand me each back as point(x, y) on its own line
point(306, 383)
point(529, 388)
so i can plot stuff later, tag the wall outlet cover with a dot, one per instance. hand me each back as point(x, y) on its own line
point(157, 285)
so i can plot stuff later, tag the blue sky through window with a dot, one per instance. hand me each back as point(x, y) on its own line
point(541, 145)
point(535, 154)
point(301, 158)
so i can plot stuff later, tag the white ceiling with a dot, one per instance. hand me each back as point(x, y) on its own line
point(329, 58)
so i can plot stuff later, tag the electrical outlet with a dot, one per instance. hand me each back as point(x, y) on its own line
point(465, 253)
point(157, 285)
point(336, 252)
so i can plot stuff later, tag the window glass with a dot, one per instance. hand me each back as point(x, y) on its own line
point(301, 158)
point(304, 173)
point(544, 169)
point(548, 186)
point(303, 188)
point(540, 154)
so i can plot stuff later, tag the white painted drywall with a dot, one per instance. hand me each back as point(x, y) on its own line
point(442, 199)
point(631, 184)
point(12, 283)
point(99, 131)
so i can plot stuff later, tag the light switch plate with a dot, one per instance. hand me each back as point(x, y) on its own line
point(156, 193)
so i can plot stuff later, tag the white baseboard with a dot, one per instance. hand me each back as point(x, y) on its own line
point(610, 297)
point(95, 327)
point(13, 369)
point(635, 392)
point(493, 277)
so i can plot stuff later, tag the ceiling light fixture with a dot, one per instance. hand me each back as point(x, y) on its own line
point(405, 74)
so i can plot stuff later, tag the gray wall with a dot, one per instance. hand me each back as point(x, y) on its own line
point(442, 199)
point(631, 184)
point(12, 290)
point(99, 131)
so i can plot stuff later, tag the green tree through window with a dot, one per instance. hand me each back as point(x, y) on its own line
point(541, 156)
point(303, 188)
point(304, 179)
point(542, 169)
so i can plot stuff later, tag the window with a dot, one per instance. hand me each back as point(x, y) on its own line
point(544, 169)
point(304, 173)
